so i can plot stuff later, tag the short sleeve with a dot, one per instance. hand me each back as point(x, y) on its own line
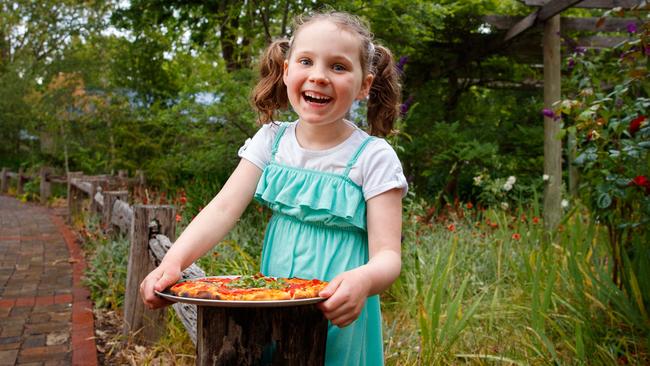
point(382, 170)
point(257, 149)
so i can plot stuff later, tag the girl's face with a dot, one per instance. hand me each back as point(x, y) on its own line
point(323, 74)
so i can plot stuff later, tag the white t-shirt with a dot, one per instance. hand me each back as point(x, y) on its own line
point(377, 169)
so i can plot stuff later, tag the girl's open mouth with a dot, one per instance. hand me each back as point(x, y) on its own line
point(316, 98)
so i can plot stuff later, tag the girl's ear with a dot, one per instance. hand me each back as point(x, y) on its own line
point(285, 71)
point(366, 83)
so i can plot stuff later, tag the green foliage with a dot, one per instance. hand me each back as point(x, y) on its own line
point(106, 273)
point(609, 114)
point(486, 287)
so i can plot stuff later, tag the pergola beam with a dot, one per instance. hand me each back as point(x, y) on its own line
point(548, 10)
point(593, 4)
point(503, 22)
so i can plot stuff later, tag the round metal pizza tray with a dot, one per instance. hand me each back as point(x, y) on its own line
point(240, 304)
point(237, 303)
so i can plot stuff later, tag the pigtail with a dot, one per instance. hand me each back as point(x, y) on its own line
point(385, 93)
point(270, 93)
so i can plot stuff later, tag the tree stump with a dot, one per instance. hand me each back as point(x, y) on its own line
point(74, 197)
point(288, 336)
point(107, 209)
point(148, 325)
point(4, 180)
point(45, 185)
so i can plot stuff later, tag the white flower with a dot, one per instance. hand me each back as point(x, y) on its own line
point(546, 177)
point(565, 204)
point(478, 180)
point(504, 205)
point(509, 183)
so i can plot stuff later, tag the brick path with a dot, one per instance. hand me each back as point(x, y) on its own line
point(45, 315)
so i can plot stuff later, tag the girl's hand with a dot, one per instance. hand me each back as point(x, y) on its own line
point(346, 295)
point(159, 279)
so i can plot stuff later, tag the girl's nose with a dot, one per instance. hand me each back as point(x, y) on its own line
point(318, 77)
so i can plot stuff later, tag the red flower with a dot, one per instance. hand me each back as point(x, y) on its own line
point(535, 220)
point(183, 200)
point(635, 125)
point(469, 205)
point(516, 236)
point(451, 227)
point(178, 218)
point(641, 181)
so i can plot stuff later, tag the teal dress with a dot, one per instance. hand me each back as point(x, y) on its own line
point(318, 230)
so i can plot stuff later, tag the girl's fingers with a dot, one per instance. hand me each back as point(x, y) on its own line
point(330, 288)
point(165, 281)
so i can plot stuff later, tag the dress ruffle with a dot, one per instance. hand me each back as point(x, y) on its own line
point(312, 196)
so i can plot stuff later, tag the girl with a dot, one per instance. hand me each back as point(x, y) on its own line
point(335, 191)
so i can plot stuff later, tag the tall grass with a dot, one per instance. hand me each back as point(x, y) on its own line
point(488, 288)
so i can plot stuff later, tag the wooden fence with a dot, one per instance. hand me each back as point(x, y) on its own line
point(294, 335)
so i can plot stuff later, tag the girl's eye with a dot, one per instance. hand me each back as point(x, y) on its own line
point(339, 67)
point(304, 61)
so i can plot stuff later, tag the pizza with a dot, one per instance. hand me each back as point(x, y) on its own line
point(248, 288)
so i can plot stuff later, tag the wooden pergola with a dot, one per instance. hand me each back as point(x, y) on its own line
point(547, 16)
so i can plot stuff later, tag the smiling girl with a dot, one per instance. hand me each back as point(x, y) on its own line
point(335, 190)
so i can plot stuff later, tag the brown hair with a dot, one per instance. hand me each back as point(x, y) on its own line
point(270, 93)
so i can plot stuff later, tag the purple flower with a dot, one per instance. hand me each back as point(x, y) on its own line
point(647, 50)
point(631, 28)
point(548, 113)
point(404, 108)
point(571, 64)
point(402, 61)
point(580, 50)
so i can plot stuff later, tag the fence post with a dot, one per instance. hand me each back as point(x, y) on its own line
point(19, 186)
point(4, 186)
point(139, 174)
point(74, 199)
point(287, 336)
point(107, 211)
point(93, 191)
point(136, 316)
point(46, 186)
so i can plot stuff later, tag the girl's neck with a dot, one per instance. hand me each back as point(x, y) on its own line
point(324, 137)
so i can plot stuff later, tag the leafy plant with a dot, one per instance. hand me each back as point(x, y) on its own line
point(609, 115)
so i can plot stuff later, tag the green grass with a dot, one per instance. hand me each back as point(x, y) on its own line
point(479, 288)
point(504, 295)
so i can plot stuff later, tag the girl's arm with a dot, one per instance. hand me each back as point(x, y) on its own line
point(348, 291)
point(208, 228)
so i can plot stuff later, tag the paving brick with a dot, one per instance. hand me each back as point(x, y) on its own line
point(43, 328)
point(6, 340)
point(20, 312)
point(34, 341)
point(8, 357)
point(43, 353)
point(36, 318)
point(10, 346)
point(25, 301)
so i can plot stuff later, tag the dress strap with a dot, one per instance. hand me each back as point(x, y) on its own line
point(356, 155)
point(276, 142)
